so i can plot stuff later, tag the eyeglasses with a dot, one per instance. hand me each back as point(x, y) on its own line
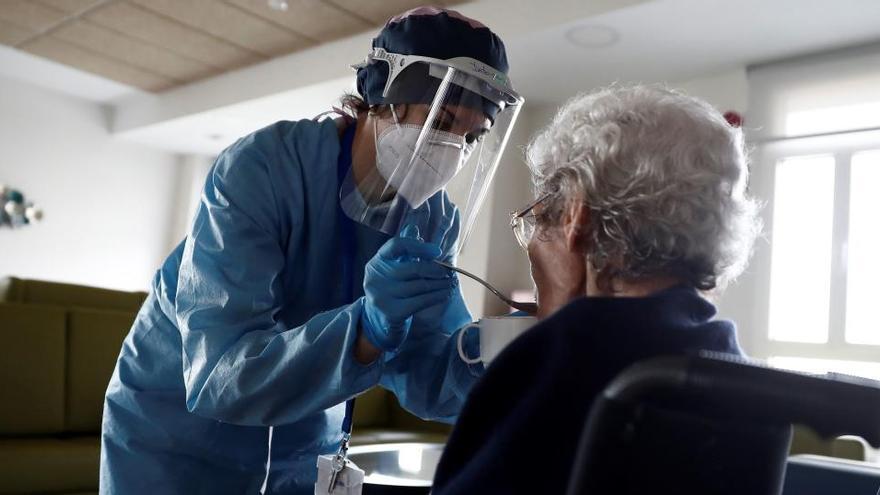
point(523, 222)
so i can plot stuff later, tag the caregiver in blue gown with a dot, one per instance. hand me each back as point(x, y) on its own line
point(306, 276)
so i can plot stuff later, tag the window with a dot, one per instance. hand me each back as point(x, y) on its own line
point(817, 167)
point(824, 260)
point(863, 253)
point(802, 226)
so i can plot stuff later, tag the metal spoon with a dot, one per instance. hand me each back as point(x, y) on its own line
point(530, 308)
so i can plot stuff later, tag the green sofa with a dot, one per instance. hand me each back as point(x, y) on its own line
point(60, 344)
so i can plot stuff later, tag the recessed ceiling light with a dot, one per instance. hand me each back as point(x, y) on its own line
point(279, 5)
point(592, 36)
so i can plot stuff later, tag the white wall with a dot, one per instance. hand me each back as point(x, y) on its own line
point(508, 265)
point(727, 90)
point(189, 181)
point(107, 203)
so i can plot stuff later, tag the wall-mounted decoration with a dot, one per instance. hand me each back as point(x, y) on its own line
point(15, 211)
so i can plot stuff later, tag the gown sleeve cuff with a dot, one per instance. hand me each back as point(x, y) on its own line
point(365, 376)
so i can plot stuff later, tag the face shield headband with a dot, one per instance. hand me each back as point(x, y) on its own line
point(491, 84)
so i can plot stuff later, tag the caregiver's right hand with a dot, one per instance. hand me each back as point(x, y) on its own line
point(399, 281)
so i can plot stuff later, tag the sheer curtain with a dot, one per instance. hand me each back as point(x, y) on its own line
point(814, 124)
point(832, 92)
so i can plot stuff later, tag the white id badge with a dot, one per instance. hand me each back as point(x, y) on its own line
point(349, 481)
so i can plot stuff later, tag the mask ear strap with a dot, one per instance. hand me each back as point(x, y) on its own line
point(375, 128)
point(394, 114)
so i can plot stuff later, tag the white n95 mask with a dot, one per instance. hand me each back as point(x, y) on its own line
point(416, 176)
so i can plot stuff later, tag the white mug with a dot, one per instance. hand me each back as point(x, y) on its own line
point(495, 333)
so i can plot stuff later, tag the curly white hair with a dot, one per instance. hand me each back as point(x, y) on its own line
point(664, 176)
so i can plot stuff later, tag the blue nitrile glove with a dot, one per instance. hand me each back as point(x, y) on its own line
point(399, 281)
point(438, 223)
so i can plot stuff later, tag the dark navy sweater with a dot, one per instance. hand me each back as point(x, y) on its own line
point(519, 429)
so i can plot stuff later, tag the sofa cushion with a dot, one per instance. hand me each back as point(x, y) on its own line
point(32, 369)
point(94, 338)
point(41, 465)
point(55, 293)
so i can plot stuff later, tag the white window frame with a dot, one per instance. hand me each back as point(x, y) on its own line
point(765, 159)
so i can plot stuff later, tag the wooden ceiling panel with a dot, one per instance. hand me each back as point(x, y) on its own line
point(144, 56)
point(71, 6)
point(11, 34)
point(232, 24)
point(379, 11)
point(312, 18)
point(30, 15)
point(65, 53)
point(160, 30)
point(159, 44)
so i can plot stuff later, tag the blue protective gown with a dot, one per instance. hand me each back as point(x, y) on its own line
point(247, 325)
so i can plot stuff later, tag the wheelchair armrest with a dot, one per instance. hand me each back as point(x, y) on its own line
point(832, 406)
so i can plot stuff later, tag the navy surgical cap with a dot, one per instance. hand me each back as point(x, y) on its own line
point(428, 32)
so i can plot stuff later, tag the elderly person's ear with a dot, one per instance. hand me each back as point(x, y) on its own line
point(575, 223)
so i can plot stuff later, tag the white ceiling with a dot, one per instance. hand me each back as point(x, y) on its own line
point(46, 73)
point(675, 40)
point(210, 132)
point(658, 40)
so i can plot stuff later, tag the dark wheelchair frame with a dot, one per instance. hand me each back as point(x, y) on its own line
point(714, 424)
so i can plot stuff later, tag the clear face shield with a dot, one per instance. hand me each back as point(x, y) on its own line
point(454, 115)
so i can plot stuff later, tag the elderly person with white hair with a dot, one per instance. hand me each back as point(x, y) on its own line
point(641, 210)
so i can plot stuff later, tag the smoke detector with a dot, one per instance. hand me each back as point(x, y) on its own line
point(592, 36)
